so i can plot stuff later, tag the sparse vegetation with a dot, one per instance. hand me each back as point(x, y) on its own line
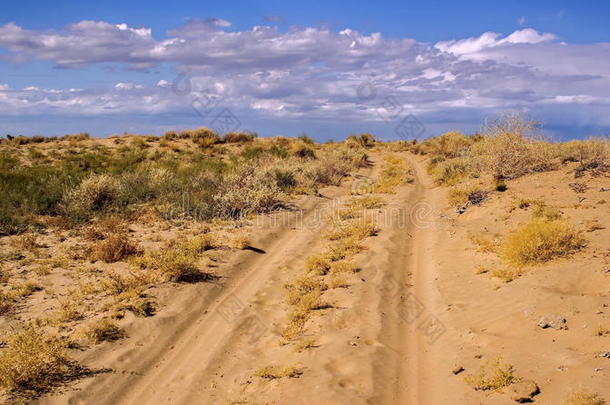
point(96, 231)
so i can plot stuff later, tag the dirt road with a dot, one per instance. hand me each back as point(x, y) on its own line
point(383, 341)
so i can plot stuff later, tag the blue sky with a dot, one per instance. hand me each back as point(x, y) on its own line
point(107, 67)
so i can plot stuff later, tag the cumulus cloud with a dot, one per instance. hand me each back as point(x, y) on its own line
point(309, 72)
point(472, 48)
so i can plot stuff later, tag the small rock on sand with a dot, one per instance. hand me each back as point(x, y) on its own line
point(457, 369)
point(524, 391)
point(553, 321)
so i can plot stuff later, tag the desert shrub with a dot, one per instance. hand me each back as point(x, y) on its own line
point(238, 137)
point(584, 398)
point(449, 145)
point(509, 150)
point(103, 228)
point(541, 240)
point(364, 140)
point(468, 195)
point(114, 247)
point(246, 191)
point(492, 375)
point(329, 170)
point(176, 261)
point(33, 362)
point(96, 193)
point(302, 150)
point(590, 154)
point(360, 159)
point(203, 136)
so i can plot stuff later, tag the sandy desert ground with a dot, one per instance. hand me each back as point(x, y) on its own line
point(387, 287)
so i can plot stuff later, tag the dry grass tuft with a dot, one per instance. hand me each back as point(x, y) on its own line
point(240, 242)
point(541, 240)
point(103, 330)
point(319, 265)
point(273, 372)
point(602, 331)
point(358, 228)
point(343, 266)
point(506, 274)
point(114, 248)
point(492, 375)
point(365, 202)
point(338, 280)
point(177, 260)
point(33, 362)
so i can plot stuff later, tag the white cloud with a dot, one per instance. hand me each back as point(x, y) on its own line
point(127, 86)
point(472, 47)
point(310, 72)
